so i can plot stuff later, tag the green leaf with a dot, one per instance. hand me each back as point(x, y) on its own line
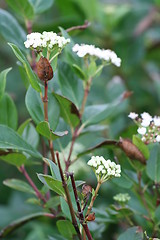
point(54, 169)
point(16, 159)
point(41, 6)
point(9, 139)
point(134, 233)
point(11, 30)
point(20, 222)
point(123, 182)
point(35, 108)
point(31, 75)
point(30, 135)
point(43, 128)
point(19, 185)
point(70, 85)
point(97, 113)
point(22, 7)
point(65, 208)
point(23, 74)
point(22, 126)
point(66, 229)
point(53, 202)
point(141, 146)
point(68, 110)
point(153, 164)
point(8, 112)
point(79, 72)
point(54, 184)
point(3, 76)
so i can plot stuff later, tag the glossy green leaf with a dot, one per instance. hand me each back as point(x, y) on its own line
point(134, 233)
point(66, 229)
point(35, 108)
point(141, 146)
point(65, 208)
point(22, 126)
point(41, 6)
point(20, 222)
point(53, 184)
point(54, 169)
point(8, 112)
point(16, 159)
point(19, 185)
point(53, 202)
point(3, 76)
point(31, 75)
point(30, 135)
point(23, 74)
point(11, 30)
point(44, 129)
point(70, 85)
point(68, 110)
point(123, 182)
point(22, 7)
point(79, 72)
point(153, 164)
point(9, 139)
point(97, 113)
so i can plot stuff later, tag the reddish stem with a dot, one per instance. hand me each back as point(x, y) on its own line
point(39, 195)
point(82, 221)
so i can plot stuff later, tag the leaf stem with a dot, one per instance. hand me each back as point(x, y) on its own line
point(38, 194)
point(86, 92)
point(93, 198)
point(80, 212)
point(74, 221)
point(45, 103)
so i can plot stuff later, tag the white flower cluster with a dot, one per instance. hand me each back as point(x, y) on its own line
point(106, 55)
point(148, 126)
point(122, 197)
point(104, 169)
point(46, 39)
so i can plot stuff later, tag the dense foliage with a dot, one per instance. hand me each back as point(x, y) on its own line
point(52, 129)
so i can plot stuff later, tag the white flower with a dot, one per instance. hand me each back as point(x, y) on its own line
point(156, 121)
point(141, 130)
point(106, 55)
point(104, 169)
point(158, 138)
point(46, 39)
point(133, 115)
point(145, 122)
point(146, 116)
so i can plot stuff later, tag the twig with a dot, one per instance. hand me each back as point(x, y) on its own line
point(86, 92)
point(45, 103)
point(93, 198)
point(74, 221)
point(80, 212)
point(38, 194)
point(29, 30)
point(80, 27)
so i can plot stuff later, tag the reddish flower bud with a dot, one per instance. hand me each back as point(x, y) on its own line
point(44, 69)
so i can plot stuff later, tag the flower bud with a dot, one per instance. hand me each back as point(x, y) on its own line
point(131, 150)
point(44, 69)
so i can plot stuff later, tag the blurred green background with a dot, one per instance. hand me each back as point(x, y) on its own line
point(131, 29)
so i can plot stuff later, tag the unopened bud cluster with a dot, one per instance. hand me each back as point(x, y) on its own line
point(90, 50)
point(48, 40)
point(104, 169)
point(148, 126)
point(122, 197)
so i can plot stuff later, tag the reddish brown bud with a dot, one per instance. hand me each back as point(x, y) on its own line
point(86, 189)
point(131, 150)
point(90, 217)
point(44, 69)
